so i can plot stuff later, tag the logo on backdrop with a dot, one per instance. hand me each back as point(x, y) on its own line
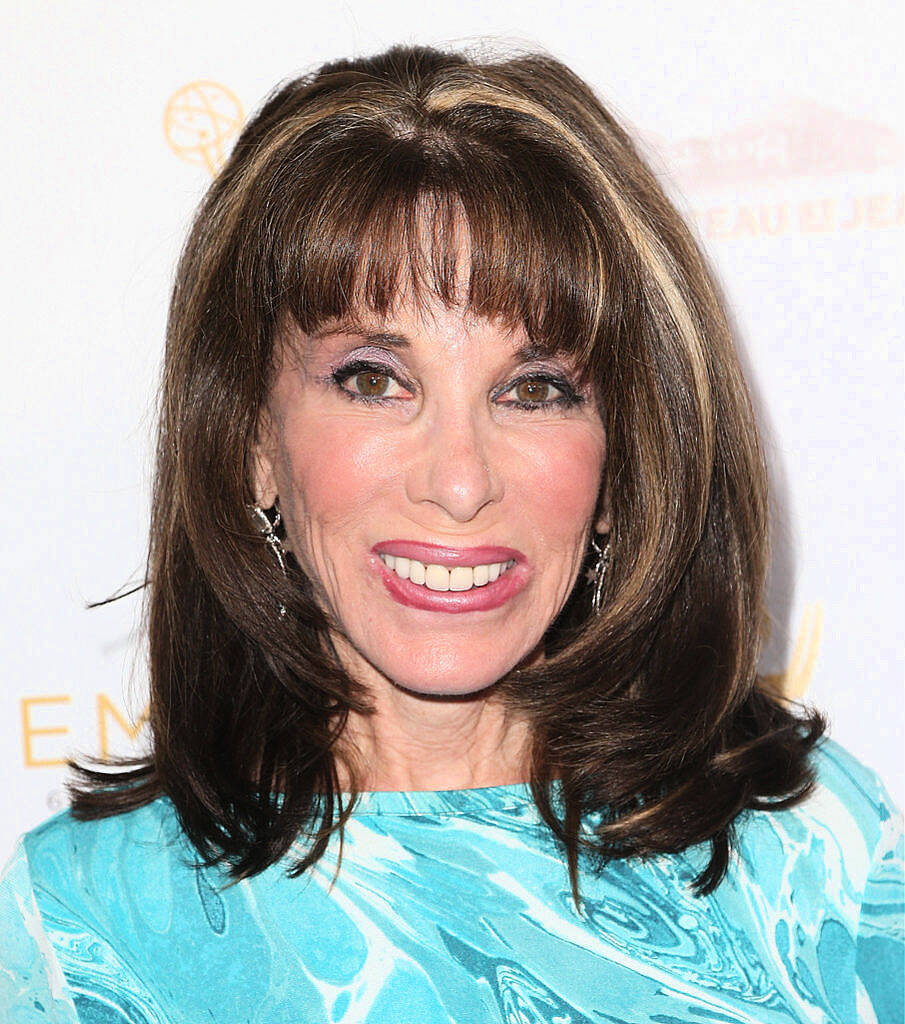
point(46, 720)
point(794, 681)
point(200, 121)
point(796, 149)
point(798, 139)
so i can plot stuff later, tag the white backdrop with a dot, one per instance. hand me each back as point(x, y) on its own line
point(777, 129)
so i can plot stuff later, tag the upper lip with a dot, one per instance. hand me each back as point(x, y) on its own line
point(443, 554)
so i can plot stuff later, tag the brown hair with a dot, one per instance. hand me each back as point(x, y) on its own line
point(650, 712)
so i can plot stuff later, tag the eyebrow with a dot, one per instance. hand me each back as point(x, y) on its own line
point(373, 337)
point(525, 353)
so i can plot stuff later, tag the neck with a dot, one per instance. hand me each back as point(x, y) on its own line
point(413, 742)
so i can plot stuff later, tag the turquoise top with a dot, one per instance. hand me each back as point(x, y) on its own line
point(455, 907)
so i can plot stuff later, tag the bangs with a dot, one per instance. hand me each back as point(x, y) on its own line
point(363, 221)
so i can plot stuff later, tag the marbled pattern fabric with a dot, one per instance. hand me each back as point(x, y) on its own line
point(455, 907)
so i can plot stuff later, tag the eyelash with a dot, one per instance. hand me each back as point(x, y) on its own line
point(568, 398)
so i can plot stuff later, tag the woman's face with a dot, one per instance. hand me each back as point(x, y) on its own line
point(438, 482)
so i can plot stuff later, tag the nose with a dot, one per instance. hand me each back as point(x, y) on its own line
point(452, 465)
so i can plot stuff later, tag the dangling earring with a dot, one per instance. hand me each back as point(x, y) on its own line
point(597, 573)
point(267, 529)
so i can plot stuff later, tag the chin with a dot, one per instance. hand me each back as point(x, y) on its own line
point(459, 682)
point(446, 673)
point(430, 667)
point(450, 689)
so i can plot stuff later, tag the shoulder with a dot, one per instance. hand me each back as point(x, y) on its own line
point(74, 861)
point(820, 884)
point(859, 790)
point(850, 801)
point(834, 839)
point(76, 900)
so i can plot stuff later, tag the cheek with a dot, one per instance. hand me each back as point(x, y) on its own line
point(331, 472)
point(560, 482)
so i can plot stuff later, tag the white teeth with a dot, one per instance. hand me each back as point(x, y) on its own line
point(461, 578)
point(436, 577)
point(440, 578)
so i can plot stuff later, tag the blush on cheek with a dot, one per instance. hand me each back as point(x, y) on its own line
point(335, 482)
point(565, 480)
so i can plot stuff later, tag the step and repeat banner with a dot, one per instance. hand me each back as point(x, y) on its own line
point(781, 140)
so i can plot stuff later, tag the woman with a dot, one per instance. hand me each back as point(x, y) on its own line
point(458, 548)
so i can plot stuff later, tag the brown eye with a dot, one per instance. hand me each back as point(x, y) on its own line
point(533, 391)
point(537, 392)
point(366, 382)
point(370, 384)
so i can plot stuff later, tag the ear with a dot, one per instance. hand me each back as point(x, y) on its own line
point(603, 522)
point(263, 461)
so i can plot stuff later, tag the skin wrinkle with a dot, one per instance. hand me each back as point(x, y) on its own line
point(446, 464)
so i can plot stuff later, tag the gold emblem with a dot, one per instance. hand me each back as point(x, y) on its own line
point(200, 119)
point(793, 683)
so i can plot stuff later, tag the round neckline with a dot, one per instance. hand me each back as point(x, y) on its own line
point(438, 802)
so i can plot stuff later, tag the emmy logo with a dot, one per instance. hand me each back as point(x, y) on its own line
point(793, 682)
point(199, 121)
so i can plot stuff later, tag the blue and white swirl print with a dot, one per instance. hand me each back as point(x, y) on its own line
point(456, 907)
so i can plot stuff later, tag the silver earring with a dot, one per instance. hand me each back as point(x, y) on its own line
point(597, 573)
point(267, 528)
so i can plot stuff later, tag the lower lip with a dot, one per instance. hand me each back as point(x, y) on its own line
point(478, 599)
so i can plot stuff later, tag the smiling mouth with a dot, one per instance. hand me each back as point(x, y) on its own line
point(440, 578)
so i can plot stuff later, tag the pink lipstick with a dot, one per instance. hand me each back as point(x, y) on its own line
point(438, 554)
point(435, 577)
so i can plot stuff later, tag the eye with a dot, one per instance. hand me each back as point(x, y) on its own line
point(371, 384)
point(367, 382)
point(537, 391)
